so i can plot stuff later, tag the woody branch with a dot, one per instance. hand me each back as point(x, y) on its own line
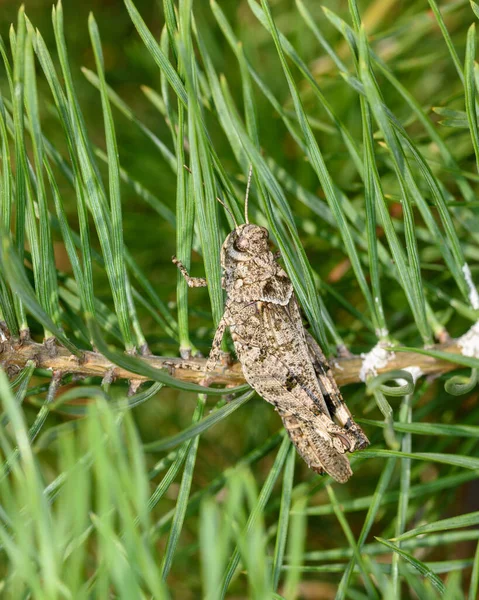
point(15, 354)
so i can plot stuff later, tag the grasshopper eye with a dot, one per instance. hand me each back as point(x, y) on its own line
point(241, 244)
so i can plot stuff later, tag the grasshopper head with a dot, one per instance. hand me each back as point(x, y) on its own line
point(244, 243)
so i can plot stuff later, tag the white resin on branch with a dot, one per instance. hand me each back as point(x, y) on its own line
point(469, 342)
point(377, 358)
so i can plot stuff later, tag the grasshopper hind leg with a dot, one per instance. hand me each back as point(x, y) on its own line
point(318, 453)
point(332, 396)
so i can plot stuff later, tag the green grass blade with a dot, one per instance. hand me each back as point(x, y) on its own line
point(47, 284)
point(183, 496)
point(429, 428)
point(171, 24)
point(423, 569)
point(465, 462)
point(211, 551)
point(319, 165)
point(363, 568)
point(465, 520)
point(93, 188)
point(202, 171)
point(474, 585)
point(284, 517)
point(466, 361)
point(346, 135)
point(373, 505)
point(61, 104)
point(116, 231)
point(20, 199)
point(157, 53)
point(257, 510)
point(404, 490)
point(447, 38)
point(296, 546)
point(17, 279)
point(23, 382)
point(185, 209)
point(169, 476)
point(7, 304)
point(470, 89)
point(375, 102)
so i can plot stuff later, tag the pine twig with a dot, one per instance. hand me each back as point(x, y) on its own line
point(14, 355)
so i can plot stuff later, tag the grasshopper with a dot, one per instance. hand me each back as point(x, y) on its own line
point(279, 358)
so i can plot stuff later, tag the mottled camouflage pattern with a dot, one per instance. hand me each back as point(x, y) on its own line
point(280, 360)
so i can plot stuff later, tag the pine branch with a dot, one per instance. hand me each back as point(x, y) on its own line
point(14, 355)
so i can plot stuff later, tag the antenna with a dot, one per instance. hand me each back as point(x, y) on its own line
point(230, 212)
point(247, 195)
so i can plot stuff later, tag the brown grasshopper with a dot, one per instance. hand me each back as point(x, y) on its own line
point(279, 358)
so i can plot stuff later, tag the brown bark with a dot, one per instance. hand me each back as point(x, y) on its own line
point(15, 354)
